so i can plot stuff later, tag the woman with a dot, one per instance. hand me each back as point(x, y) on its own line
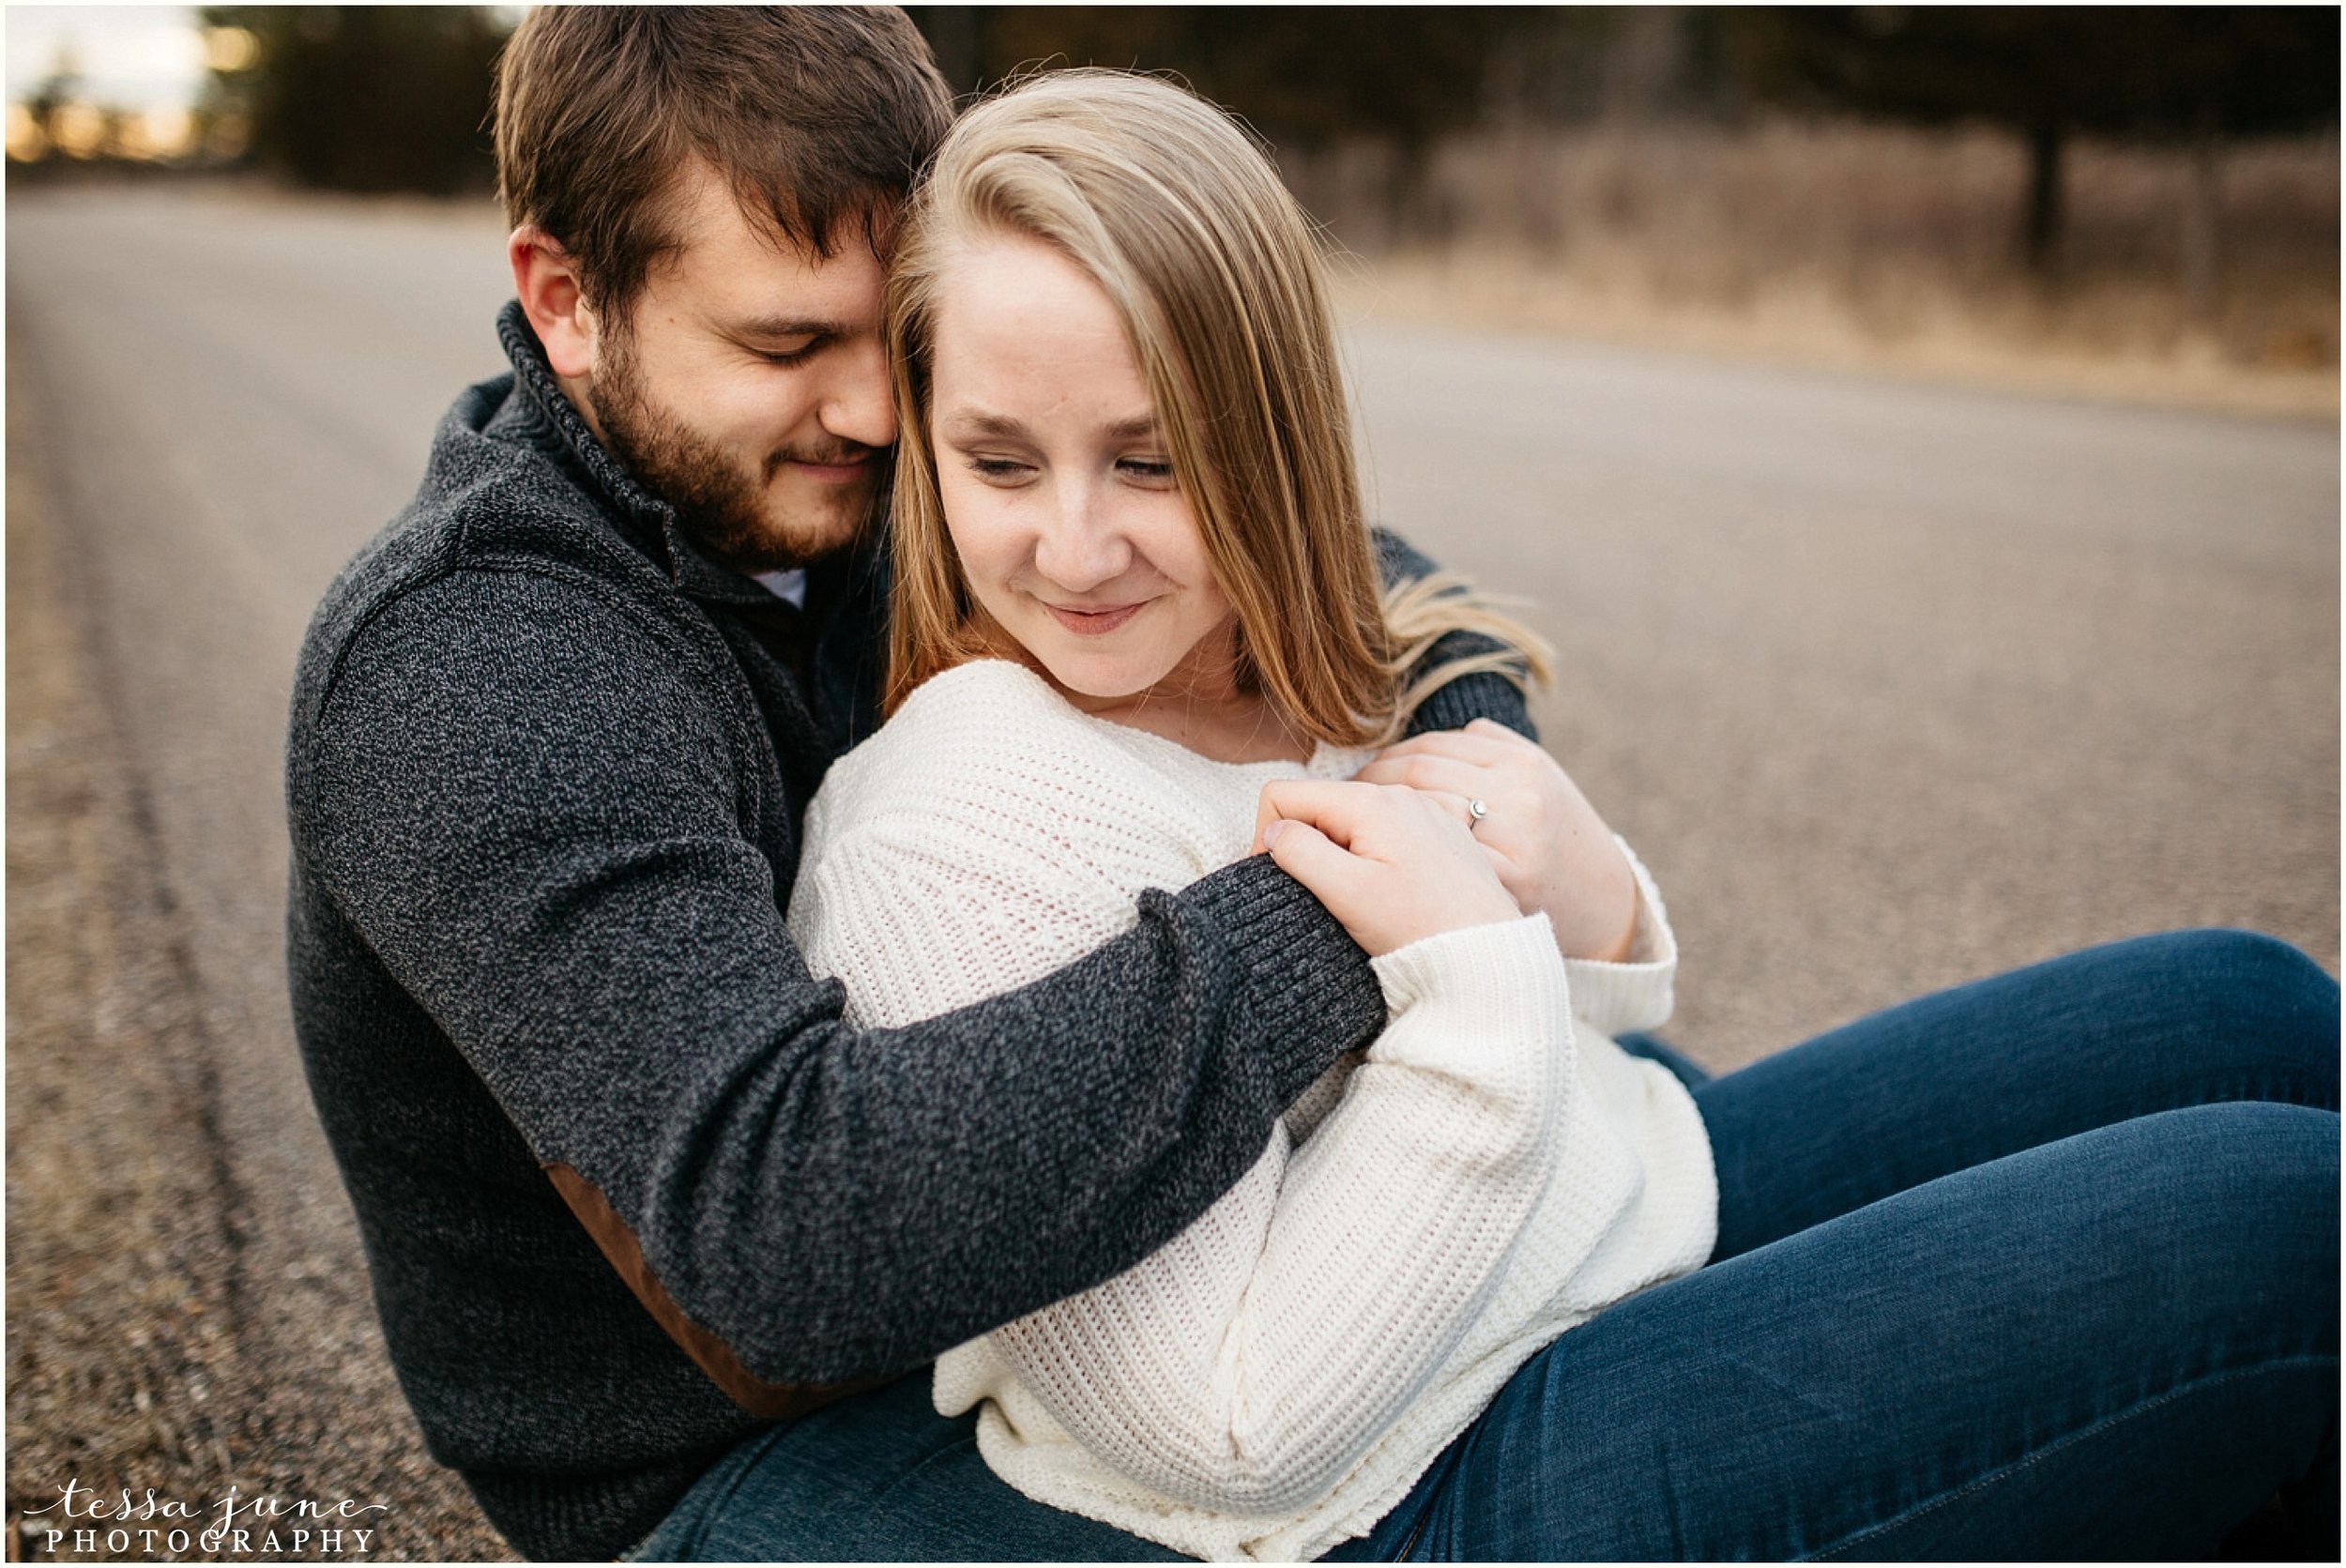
point(1982, 1273)
point(1097, 662)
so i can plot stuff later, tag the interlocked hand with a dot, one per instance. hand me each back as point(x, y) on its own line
point(1546, 842)
point(1392, 864)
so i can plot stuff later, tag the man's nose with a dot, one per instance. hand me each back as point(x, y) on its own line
point(856, 403)
point(1080, 546)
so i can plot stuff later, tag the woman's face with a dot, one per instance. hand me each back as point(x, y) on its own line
point(1058, 487)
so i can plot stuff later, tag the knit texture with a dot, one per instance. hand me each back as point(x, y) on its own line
point(543, 779)
point(1491, 1172)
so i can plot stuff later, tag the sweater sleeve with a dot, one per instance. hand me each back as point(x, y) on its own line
point(1459, 703)
point(528, 803)
point(1637, 992)
point(1248, 1366)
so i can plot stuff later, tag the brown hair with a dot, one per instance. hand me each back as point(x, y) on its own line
point(818, 116)
point(1164, 202)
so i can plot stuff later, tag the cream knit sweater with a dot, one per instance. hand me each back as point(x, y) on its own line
point(1492, 1171)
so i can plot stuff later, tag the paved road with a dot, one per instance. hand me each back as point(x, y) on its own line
point(1891, 686)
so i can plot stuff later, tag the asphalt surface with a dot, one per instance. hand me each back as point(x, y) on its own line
point(1892, 687)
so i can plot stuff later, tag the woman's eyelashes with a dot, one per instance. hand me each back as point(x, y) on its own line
point(1148, 473)
point(1154, 472)
point(1000, 470)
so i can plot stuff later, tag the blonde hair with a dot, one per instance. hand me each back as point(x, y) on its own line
point(1164, 202)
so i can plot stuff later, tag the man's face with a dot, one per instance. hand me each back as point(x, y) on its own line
point(749, 389)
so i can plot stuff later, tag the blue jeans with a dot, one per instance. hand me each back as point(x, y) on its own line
point(2044, 1266)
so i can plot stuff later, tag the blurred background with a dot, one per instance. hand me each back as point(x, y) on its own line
point(1917, 427)
point(2031, 193)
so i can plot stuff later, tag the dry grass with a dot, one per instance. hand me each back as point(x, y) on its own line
point(1862, 248)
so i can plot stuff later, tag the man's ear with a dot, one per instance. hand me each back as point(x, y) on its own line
point(545, 279)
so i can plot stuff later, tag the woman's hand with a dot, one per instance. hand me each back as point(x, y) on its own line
point(1394, 865)
point(1546, 842)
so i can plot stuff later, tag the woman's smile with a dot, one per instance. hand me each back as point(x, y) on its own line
point(1093, 620)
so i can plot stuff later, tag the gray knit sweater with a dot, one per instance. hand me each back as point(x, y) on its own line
point(626, 1181)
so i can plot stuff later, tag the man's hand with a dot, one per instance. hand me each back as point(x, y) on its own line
point(1546, 842)
point(1392, 865)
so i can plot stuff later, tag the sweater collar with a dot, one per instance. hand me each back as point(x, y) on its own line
point(651, 521)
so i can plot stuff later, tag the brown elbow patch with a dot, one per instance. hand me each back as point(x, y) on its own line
point(768, 1401)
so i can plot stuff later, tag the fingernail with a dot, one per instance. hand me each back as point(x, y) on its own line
point(1271, 834)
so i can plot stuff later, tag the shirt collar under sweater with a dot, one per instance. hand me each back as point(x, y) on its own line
point(842, 607)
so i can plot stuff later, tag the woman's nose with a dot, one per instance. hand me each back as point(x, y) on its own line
point(1080, 546)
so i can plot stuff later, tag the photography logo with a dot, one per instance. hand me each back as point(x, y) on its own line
point(120, 1525)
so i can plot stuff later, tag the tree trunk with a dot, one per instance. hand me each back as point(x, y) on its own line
point(952, 33)
point(2040, 230)
point(1419, 214)
point(2203, 199)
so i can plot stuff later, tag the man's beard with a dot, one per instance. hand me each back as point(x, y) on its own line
point(722, 505)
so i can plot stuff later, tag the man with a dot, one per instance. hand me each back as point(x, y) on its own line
point(630, 1188)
